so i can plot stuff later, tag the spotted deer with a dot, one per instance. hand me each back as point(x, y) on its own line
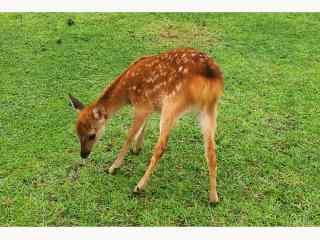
point(173, 83)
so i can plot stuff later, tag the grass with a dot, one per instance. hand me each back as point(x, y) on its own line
point(268, 124)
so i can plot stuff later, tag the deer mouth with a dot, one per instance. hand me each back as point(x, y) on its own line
point(84, 154)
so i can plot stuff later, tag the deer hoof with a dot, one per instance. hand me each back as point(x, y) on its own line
point(213, 200)
point(213, 204)
point(137, 190)
point(112, 170)
point(136, 151)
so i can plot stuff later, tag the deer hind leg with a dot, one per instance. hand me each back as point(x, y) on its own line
point(138, 139)
point(208, 125)
point(169, 115)
point(139, 118)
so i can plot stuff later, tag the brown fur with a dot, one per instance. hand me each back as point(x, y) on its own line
point(172, 82)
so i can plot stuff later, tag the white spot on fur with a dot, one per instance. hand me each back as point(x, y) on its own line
point(149, 80)
point(156, 87)
point(178, 87)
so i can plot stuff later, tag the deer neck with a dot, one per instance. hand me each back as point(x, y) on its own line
point(112, 99)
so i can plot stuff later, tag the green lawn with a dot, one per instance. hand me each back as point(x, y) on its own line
point(268, 124)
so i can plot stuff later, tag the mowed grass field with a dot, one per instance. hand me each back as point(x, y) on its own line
point(268, 123)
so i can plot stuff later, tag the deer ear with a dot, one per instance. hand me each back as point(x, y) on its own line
point(76, 103)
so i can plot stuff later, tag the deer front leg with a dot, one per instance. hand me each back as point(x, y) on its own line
point(137, 123)
point(159, 149)
point(208, 125)
point(168, 117)
point(138, 139)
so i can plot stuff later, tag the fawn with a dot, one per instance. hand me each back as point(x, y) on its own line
point(173, 83)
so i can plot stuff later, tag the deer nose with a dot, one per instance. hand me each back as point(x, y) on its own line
point(84, 154)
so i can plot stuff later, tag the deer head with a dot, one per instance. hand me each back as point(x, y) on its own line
point(90, 125)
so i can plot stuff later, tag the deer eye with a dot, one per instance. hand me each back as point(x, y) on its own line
point(92, 136)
